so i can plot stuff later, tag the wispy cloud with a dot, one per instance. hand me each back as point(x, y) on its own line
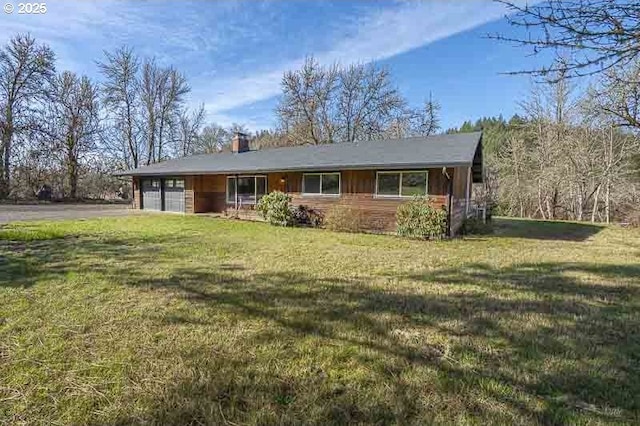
point(235, 53)
point(379, 35)
point(166, 30)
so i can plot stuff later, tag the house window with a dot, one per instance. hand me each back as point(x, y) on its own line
point(151, 184)
point(249, 189)
point(321, 184)
point(174, 183)
point(401, 184)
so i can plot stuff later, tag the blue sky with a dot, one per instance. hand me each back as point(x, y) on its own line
point(235, 52)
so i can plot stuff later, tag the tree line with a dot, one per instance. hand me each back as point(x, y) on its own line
point(574, 153)
point(564, 157)
point(68, 132)
point(571, 153)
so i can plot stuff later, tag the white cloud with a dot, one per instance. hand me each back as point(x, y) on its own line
point(153, 26)
point(381, 35)
point(212, 42)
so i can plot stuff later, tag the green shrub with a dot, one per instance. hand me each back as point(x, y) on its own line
point(275, 208)
point(344, 219)
point(474, 226)
point(418, 219)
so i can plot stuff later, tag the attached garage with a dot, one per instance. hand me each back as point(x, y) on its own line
point(151, 194)
point(173, 190)
point(163, 194)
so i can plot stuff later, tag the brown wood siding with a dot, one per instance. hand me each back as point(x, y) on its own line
point(136, 192)
point(357, 190)
point(210, 193)
point(459, 198)
point(189, 195)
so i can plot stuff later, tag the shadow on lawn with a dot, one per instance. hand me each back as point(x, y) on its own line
point(532, 338)
point(544, 230)
point(583, 324)
point(22, 264)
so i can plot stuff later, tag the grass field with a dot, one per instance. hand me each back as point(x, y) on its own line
point(190, 320)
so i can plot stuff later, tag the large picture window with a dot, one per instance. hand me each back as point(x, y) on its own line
point(321, 184)
point(401, 184)
point(246, 189)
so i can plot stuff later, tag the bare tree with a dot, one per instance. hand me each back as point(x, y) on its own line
point(212, 139)
point(172, 88)
point(550, 110)
point(121, 96)
point(149, 94)
point(618, 94)
point(271, 138)
point(598, 35)
point(306, 106)
point(367, 102)
point(73, 123)
point(514, 163)
point(335, 104)
point(25, 68)
point(162, 92)
point(425, 121)
point(189, 124)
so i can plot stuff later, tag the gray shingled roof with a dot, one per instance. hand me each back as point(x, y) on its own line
point(416, 152)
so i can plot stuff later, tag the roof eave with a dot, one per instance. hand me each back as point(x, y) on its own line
point(295, 169)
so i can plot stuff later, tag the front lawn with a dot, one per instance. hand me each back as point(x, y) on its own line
point(165, 319)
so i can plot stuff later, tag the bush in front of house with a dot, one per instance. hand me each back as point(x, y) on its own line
point(305, 216)
point(344, 219)
point(418, 219)
point(275, 208)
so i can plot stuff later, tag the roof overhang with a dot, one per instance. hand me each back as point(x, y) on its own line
point(169, 172)
point(447, 150)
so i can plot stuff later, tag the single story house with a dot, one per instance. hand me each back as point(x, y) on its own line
point(373, 176)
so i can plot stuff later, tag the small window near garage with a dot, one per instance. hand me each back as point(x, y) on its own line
point(246, 189)
point(321, 184)
point(401, 184)
point(179, 183)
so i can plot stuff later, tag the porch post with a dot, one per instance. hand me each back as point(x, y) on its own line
point(468, 194)
point(236, 198)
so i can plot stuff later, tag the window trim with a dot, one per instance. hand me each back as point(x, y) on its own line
point(251, 203)
point(320, 194)
point(171, 183)
point(400, 172)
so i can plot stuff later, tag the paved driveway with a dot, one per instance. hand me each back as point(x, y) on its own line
point(12, 213)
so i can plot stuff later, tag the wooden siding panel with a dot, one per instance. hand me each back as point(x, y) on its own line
point(460, 182)
point(189, 195)
point(136, 192)
point(208, 194)
point(459, 200)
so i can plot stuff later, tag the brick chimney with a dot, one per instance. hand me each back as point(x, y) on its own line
point(240, 142)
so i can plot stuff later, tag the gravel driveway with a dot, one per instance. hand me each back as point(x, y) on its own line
point(12, 213)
